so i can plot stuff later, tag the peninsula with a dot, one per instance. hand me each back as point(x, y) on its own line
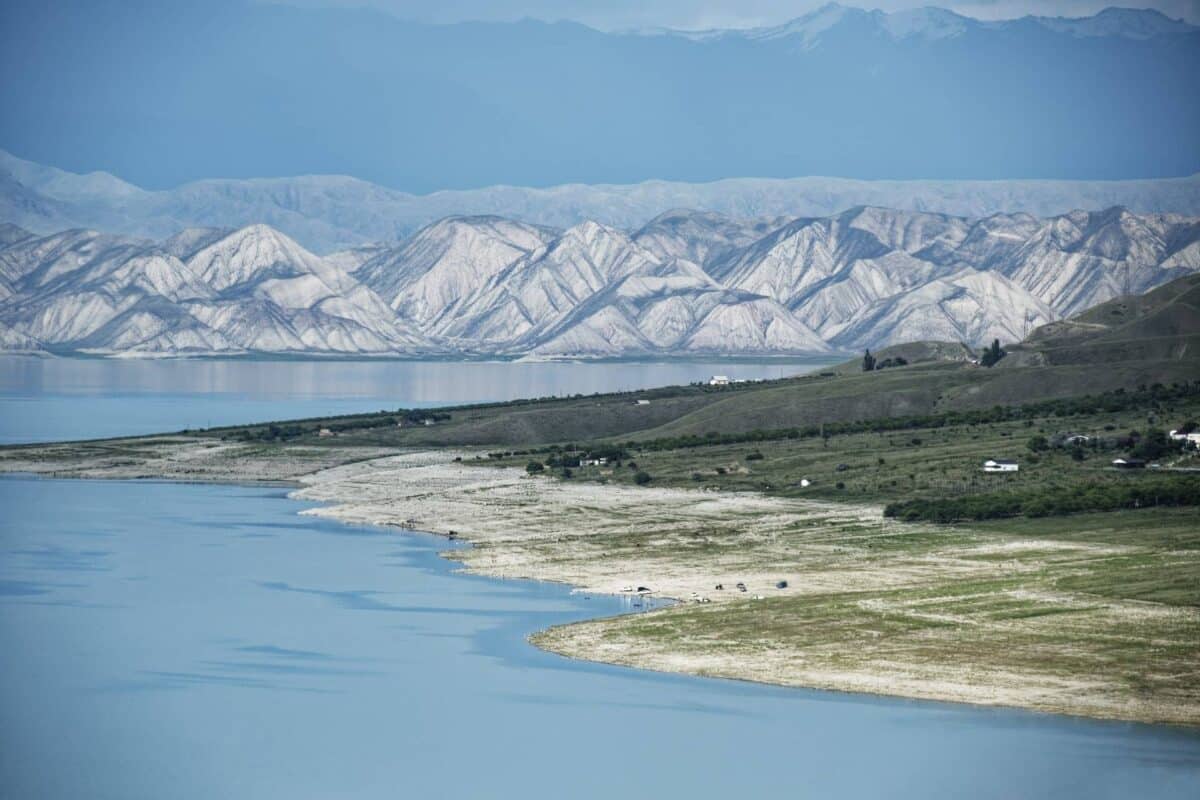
point(836, 530)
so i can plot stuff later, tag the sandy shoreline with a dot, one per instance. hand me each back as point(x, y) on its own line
point(578, 533)
point(522, 526)
point(954, 617)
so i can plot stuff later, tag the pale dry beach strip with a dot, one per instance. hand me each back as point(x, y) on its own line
point(961, 618)
point(920, 611)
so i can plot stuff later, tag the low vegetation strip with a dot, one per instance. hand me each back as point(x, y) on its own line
point(1054, 501)
point(1108, 402)
point(284, 430)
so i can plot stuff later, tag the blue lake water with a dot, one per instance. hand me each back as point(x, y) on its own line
point(63, 399)
point(165, 640)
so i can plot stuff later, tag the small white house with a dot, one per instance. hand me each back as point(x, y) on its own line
point(324, 433)
point(428, 421)
point(643, 402)
point(592, 462)
point(719, 380)
point(1191, 439)
point(1128, 463)
point(1000, 465)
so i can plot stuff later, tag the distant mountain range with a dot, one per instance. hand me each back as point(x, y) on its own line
point(931, 23)
point(687, 282)
point(167, 93)
point(326, 213)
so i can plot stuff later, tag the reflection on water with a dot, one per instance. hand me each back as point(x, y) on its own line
point(165, 640)
point(57, 399)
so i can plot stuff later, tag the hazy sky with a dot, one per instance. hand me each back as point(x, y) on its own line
point(161, 92)
point(694, 14)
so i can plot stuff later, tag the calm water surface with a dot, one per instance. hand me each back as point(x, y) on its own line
point(163, 640)
point(59, 399)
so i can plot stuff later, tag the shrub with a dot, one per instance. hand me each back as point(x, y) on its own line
point(754, 456)
point(534, 467)
point(642, 478)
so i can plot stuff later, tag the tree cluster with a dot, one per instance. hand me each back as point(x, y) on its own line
point(1053, 501)
point(870, 363)
point(992, 355)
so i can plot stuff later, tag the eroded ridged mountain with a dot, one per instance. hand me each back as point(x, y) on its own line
point(687, 282)
point(249, 290)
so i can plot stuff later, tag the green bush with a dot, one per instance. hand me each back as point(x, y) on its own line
point(642, 478)
point(534, 467)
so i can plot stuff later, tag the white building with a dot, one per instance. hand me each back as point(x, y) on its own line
point(719, 380)
point(1000, 465)
point(1192, 439)
point(592, 462)
point(643, 402)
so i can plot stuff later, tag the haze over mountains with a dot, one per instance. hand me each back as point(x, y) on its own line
point(161, 93)
point(326, 213)
point(687, 282)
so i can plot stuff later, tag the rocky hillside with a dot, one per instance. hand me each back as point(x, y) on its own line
point(687, 282)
